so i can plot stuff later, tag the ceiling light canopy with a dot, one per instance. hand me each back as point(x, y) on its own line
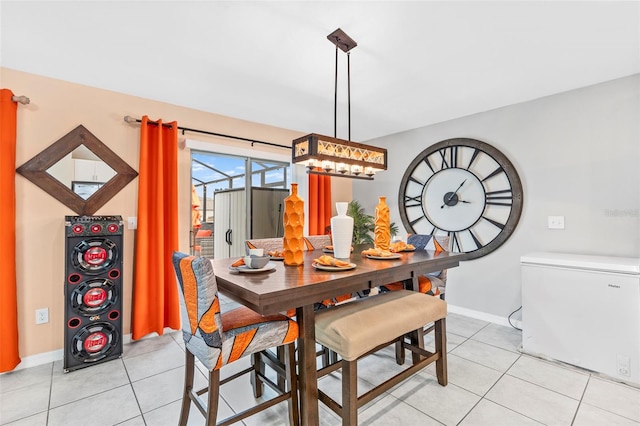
point(331, 156)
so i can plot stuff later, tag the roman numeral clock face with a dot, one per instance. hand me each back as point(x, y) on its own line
point(463, 188)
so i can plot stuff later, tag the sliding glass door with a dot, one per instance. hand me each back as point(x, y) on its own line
point(233, 208)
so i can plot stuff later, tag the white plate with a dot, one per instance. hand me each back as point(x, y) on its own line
point(395, 256)
point(243, 268)
point(333, 268)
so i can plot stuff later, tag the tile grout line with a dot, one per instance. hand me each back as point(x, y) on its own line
point(584, 391)
point(50, 393)
point(135, 395)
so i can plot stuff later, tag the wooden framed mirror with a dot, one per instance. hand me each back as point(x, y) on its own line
point(79, 171)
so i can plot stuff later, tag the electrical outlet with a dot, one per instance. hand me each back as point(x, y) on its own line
point(132, 222)
point(623, 365)
point(556, 222)
point(42, 316)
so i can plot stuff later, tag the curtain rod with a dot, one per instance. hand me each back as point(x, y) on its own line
point(130, 119)
point(21, 99)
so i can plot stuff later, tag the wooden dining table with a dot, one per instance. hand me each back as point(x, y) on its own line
point(300, 287)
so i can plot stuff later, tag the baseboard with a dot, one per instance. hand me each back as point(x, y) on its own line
point(38, 359)
point(495, 319)
point(58, 354)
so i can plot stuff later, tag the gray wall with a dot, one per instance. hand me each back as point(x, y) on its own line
point(578, 155)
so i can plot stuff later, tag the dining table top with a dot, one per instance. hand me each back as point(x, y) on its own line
point(285, 287)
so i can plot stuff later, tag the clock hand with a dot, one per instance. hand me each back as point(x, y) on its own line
point(452, 194)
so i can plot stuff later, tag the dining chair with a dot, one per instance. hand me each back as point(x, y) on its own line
point(268, 244)
point(218, 338)
point(318, 241)
point(433, 284)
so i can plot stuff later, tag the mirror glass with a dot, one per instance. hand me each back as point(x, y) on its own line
point(79, 171)
point(82, 171)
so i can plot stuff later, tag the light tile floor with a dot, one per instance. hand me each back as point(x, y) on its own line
point(490, 383)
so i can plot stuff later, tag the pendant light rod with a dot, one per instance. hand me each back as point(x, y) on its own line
point(349, 93)
point(335, 98)
point(344, 43)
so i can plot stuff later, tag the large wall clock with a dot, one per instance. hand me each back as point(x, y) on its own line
point(463, 188)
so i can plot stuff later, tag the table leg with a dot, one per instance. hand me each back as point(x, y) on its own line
point(416, 338)
point(307, 366)
point(415, 283)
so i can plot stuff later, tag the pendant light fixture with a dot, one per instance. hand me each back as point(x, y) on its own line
point(325, 155)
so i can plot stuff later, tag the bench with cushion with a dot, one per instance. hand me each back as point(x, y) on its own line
point(354, 330)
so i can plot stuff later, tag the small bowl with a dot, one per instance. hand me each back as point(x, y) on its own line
point(256, 262)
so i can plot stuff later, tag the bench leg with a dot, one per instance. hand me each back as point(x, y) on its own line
point(417, 339)
point(349, 393)
point(400, 351)
point(441, 348)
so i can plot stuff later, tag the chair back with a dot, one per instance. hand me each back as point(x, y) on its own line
point(268, 244)
point(199, 307)
point(437, 244)
point(318, 241)
point(444, 243)
point(311, 242)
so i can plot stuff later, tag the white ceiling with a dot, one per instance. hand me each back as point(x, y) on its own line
point(416, 63)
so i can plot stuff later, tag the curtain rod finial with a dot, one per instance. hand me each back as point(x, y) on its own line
point(21, 99)
point(129, 119)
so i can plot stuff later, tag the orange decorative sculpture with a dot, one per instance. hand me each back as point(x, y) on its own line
point(382, 229)
point(293, 220)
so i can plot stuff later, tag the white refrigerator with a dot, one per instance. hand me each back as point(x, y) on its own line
point(583, 310)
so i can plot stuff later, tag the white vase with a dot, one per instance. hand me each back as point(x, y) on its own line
point(341, 232)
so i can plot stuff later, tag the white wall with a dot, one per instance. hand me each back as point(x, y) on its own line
point(578, 155)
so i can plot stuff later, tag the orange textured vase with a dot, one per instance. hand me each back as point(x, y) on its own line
point(293, 220)
point(382, 229)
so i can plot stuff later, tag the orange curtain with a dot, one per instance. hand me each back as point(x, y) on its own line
point(9, 356)
point(319, 204)
point(155, 295)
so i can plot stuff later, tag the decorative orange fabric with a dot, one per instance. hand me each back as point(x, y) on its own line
point(319, 204)
point(424, 284)
point(155, 294)
point(9, 356)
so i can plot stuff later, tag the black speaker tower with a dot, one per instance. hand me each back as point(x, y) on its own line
point(92, 290)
